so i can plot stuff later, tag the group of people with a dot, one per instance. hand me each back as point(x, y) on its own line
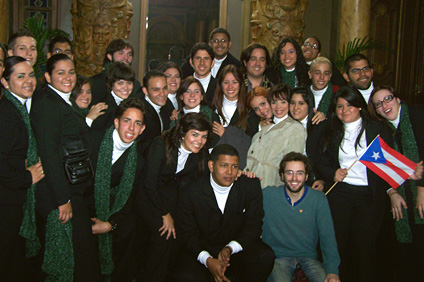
point(214, 170)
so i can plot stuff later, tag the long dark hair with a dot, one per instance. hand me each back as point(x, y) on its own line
point(308, 98)
point(185, 84)
point(301, 68)
point(335, 129)
point(9, 64)
point(81, 81)
point(218, 96)
point(173, 137)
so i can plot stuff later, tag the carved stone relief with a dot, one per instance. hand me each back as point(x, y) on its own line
point(95, 24)
point(273, 20)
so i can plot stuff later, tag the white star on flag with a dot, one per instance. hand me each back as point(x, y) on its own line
point(375, 155)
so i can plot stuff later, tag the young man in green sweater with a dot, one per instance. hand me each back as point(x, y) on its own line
point(296, 216)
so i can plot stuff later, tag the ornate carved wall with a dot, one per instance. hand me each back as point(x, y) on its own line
point(273, 20)
point(95, 24)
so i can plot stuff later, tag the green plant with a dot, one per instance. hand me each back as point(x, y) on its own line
point(35, 24)
point(358, 45)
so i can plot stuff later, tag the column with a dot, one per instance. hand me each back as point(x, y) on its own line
point(354, 20)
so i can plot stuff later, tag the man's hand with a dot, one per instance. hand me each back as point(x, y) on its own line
point(65, 212)
point(318, 117)
point(100, 227)
point(318, 185)
point(168, 226)
point(418, 172)
point(224, 254)
point(217, 269)
point(331, 277)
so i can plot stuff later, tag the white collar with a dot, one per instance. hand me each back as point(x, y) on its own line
point(396, 121)
point(353, 126)
point(366, 93)
point(318, 92)
point(156, 107)
point(117, 99)
point(228, 103)
point(194, 110)
point(304, 122)
point(20, 99)
point(119, 146)
point(290, 70)
point(220, 189)
point(220, 61)
point(278, 120)
point(64, 96)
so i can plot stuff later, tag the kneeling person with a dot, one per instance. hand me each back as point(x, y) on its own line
point(118, 164)
point(221, 220)
point(296, 216)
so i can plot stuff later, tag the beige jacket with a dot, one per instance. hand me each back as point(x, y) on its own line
point(270, 146)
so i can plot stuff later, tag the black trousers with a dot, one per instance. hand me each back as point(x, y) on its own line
point(12, 246)
point(357, 221)
point(254, 264)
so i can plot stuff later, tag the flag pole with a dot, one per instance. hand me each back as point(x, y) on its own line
point(335, 183)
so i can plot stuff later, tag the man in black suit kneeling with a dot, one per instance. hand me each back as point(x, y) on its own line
point(221, 224)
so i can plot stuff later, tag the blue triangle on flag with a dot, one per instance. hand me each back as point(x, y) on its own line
point(374, 153)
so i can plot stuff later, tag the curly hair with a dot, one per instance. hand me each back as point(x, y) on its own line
point(301, 68)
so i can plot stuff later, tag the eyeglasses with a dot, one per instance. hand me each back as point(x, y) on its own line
point(313, 46)
point(291, 173)
point(358, 71)
point(385, 100)
point(217, 41)
point(60, 51)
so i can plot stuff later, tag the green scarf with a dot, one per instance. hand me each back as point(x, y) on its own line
point(324, 104)
point(203, 109)
point(58, 261)
point(288, 77)
point(103, 191)
point(410, 150)
point(28, 228)
point(83, 112)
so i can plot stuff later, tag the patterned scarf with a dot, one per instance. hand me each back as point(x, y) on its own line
point(288, 77)
point(324, 104)
point(203, 109)
point(28, 228)
point(83, 112)
point(103, 192)
point(410, 150)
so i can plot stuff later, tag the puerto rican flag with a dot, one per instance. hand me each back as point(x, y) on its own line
point(387, 163)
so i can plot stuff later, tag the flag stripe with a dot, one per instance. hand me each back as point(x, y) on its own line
point(396, 155)
point(385, 173)
point(400, 169)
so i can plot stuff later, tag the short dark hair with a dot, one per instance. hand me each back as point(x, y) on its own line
point(316, 38)
point(53, 60)
point(223, 149)
point(279, 91)
point(117, 45)
point(247, 53)
point(81, 80)
point(354, 57)
point(20, 33)
point(168, 65)
point(295, 157)
point(129, 103)
point(219, 30)
point(118, 71)
point(59, 39)
point(9, 63)
point(151, 74)
point(201, 46)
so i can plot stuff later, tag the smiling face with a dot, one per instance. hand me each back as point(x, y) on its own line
point(125, 55)
point(294, 177)
point(220, 45)
point(390, 110)
point(224, 170)
point(157, 90)
point(230, 86)
point(309, 52)
point(25, 47)
point(130, 125)
point(22, 81)
point(320, 76)
point(202, 63)
point(261, 107)
point(122, 88)
point(346, 112)
point(63, 76)
point(288, 56)
point(298, 107)
point(173, 80)
point(279, 107)
point(257, 63)
point(194, 140)
point(192, 97)
point(360, 74)
point(83, 100)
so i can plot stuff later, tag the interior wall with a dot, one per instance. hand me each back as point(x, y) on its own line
point(234, 13)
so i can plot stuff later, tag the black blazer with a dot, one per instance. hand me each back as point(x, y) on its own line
point(14, 178)
point(56, 123)
point(152, 122)
point(188, 70)
point(99, 89)
point(204, 227)
point(329, 161)
point(210, 91)
point(161, 185)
